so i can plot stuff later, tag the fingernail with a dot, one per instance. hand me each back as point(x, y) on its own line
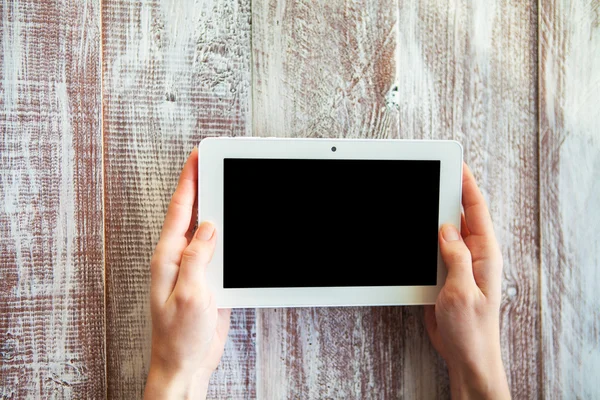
point(205, 231)
point(450, 233)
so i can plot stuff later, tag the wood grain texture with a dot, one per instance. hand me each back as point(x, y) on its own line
point(324, 68)
point(570, 197)
point(51, 250)
point(468, 71)
point(461, 70)
point(174, 72)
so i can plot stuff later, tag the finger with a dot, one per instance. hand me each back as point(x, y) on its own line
point(477, 216)
point(464, 230)
point(179, 213)
point(191, 281)
point(481, 241)
point(164, 268)
point(456, 256)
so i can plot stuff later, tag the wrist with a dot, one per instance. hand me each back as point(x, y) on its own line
point(165, 383)
point(484, 381)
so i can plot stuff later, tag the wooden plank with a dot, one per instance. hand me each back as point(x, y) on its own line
point(51, 229)
point(468, 72)
point(323, 69)
point(329, 353)
point(427, 57)
point(570, 197)
point(460, 71)
point(174, 72)
point(326, 69)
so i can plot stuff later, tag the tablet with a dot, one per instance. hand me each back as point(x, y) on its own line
point(327, 222)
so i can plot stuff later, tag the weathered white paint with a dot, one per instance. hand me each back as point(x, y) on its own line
point(49, 104)
point(64, 234)
point(323, 69)
point(570, 198)
point(461, 71)
point(417, 98)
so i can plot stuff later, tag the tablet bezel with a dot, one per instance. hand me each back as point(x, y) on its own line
point(212, 152)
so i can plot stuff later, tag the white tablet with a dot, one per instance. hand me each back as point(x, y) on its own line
point(327, 222)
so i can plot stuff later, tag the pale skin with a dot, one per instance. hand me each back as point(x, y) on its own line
point(189, 332)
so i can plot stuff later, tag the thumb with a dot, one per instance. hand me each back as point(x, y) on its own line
point(456, 255)
point(191, 281)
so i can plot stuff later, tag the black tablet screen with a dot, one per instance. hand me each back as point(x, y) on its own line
point(315, 223)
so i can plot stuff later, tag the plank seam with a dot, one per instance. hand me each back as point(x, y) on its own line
point(103, 188)
point(540, 380)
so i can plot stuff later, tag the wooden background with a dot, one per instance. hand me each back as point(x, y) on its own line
point(101, 101)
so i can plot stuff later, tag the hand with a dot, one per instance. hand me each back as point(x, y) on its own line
point(464, 324)
point(188, 332)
